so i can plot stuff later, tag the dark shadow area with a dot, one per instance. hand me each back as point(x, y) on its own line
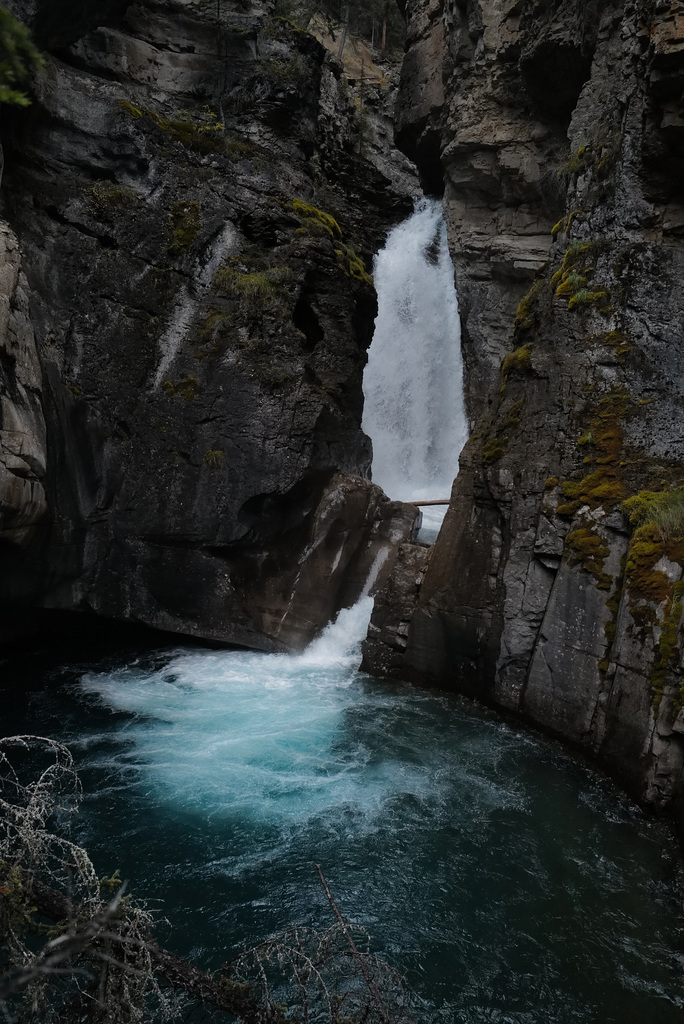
point(36, 641)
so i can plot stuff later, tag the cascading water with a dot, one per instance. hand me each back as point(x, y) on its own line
point(414, 410)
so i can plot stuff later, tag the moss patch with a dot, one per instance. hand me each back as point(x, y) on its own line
point(589, 551)
point(186, 389)
point(525, 313)
point(185, 223)
point(618, 341)
point(213, 458)
point(662, 509)
point(106, 197)
point(604, 485)
point(644, 581)
point(586, 297)
point(506, 426)
point(254, 288)
point(579, 263)
point(130, 109)
point(202, 132)
point(315, 221)
point(518, 361)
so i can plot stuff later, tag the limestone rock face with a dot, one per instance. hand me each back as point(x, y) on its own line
point(560, 146)
point(22, 427)
point(194, 199)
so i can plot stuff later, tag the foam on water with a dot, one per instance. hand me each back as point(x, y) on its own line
point(253, 734)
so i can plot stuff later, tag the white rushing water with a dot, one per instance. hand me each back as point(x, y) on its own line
point(413, 385)
point(250, 734)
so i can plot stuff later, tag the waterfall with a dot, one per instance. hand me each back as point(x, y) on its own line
point(414, 410)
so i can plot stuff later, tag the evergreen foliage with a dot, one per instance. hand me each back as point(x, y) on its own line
point(18, 58)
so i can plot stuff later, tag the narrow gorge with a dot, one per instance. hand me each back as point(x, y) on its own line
point(259, 296)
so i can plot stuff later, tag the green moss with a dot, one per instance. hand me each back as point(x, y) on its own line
point(589, 551)
point(644, 581)
point(493, 451)
point(257, 288)
point(185, 223)
point(186, 389)
point(557, 228)
point(130, 108)
point(354, 266)
point(524, 317)
point(106, 196)
point(518, 361)
point(619, 341)
point(585, 297)
point(556, 279)
point(662, 509)
point(604, 485)
point(213, 458)
point(505, 427)
point(551, 482)
point(202, 132)
point(570, 284)
point(573, 165)
point(571, 219)
point(578, 264)
point(316, 220)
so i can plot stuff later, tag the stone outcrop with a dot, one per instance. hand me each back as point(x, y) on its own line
point(192, 201)
point(23, 456)
point(555, 588)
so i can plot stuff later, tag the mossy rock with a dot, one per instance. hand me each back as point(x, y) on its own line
point(586, 297)
point(185, 224)
point(255, 289)
point(493, 451)
point(354, 266)
point(589, 551)
point(525, 313)
point(315, 219)
point(106, 198)
point(518, 361)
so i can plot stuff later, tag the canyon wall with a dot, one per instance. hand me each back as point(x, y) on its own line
point(190, 205)
point(555, 588)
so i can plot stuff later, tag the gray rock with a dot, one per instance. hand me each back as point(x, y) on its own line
point(199, 336)
point(539, 597)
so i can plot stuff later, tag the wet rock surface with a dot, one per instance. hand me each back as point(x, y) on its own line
point(193, 201)
point(560, 147)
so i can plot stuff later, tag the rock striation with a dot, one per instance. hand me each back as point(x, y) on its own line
point(190, 206)
point(555, 589)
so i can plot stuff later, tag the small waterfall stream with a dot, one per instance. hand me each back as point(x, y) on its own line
point(414, 410)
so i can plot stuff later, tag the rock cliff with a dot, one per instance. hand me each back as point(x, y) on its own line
point(190, 205)
point(555, 589)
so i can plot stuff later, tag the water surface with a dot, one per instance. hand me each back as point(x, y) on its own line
point(510, 881)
